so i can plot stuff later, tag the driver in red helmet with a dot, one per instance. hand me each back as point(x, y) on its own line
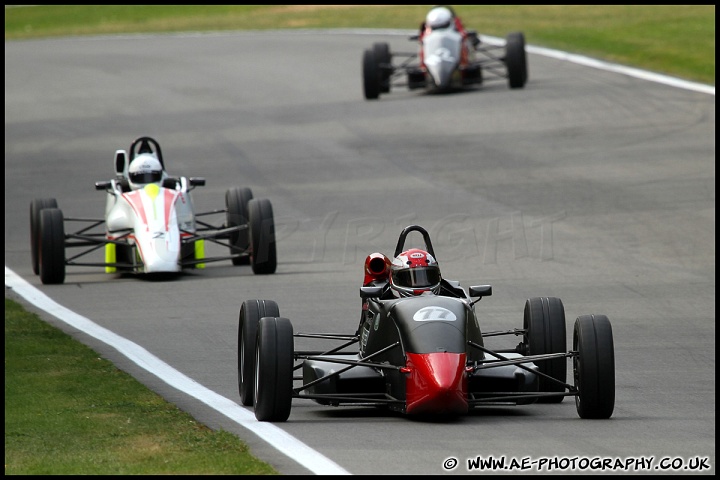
point(414, 272)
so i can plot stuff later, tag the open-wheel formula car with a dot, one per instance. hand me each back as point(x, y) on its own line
point(446, 60)
point(150, 226)
point(420, 350)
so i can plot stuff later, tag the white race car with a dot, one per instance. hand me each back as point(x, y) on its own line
point(150, 225)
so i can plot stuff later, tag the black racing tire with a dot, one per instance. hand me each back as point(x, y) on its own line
point(384, 58)
point(251, 312)
point(371, 75)
point(544, 324)
point(187, 254)
point(125, 254)
point(52, 246)
point(236, 201)
point(36, 206)
point(274, 369)
point(594, 366)
point(516, 60)
point(263, 254)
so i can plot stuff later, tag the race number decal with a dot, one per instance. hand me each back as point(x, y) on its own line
point(427, 314)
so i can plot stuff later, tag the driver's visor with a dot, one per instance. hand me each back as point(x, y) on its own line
point(145, 177)
point(417, 277)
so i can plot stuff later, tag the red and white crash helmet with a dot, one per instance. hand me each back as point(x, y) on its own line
point(414, 272)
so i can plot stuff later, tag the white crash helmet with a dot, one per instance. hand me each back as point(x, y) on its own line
point(414, 272)
point(144, 169)
point(439, 17)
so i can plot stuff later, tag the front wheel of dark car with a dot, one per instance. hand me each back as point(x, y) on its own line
point(594, 366)
point(251, 312)
point(274, 369)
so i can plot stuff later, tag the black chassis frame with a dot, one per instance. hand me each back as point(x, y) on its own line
point(339, 356)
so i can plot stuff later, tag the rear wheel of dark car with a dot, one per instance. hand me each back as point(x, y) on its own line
point(52, 246)
point(594, 366)
point(544, 323)
point(36, 206)
point(273, 369)
point(263, 255)
point(237, 200)
point(251, 312)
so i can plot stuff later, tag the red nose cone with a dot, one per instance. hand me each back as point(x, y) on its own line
point(437, 383)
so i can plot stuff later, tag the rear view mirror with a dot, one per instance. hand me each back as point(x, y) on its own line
point(120, 162)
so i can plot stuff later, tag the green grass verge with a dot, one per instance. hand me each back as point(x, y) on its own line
point(677, 40)
point(70, 412)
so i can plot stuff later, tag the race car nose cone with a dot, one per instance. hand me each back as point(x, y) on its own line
point(436, 383)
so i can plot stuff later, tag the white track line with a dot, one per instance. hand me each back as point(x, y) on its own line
point(631, 72)
point(278, 438)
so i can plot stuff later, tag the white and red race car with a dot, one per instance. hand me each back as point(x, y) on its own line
point(448, 58)
point(150, 225)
